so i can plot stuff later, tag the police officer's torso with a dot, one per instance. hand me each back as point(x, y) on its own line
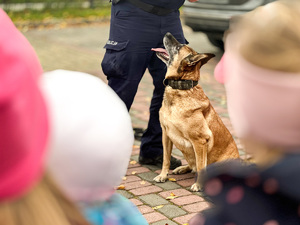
point(169, 4)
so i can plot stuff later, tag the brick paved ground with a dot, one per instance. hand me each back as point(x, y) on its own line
point(81, 49)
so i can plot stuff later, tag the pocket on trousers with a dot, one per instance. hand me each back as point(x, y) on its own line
point(115, 62)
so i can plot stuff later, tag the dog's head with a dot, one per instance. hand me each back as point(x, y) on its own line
point(182, 61)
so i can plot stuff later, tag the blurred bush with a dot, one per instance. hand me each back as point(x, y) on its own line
point(19, 5)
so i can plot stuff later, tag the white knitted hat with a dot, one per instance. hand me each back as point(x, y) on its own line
point(92, 135)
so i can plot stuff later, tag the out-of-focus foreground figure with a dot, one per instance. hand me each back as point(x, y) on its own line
point(90, 146)
point(28, 196)
point(261, 71)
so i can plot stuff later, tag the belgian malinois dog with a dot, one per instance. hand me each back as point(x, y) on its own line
point(187, 117)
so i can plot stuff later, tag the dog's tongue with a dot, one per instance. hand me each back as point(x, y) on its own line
point(161, 50)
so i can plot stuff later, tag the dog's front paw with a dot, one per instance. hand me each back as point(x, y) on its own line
point(196, 187)
point(160, 178)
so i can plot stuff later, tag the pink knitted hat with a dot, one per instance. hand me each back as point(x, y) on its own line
point(23, 118)
point(263, 104)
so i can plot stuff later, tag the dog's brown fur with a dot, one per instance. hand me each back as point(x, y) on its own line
point(188, 119)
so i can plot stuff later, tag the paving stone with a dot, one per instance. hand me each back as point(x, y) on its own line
point(131, 178)
point(135, 152)
point(208, 199)
point(148, 176)
point(159, 171)
point(168, 185)
point(137, 123)
point(179, 177)
point(137, 184)
point(135, 157)
point(133, 165)
point(177, 192)
point(136, 201)
point(136, 170)
point(184, 219)
point(226, 115)
point(154, 217)
point(171, 211)
point(201, 194)
point(164, 222)
point(220, 110)
point(140, 106)
point(185, 200)
point(145, 209)
point(136, 144)
point(197, 207)
point(143, 117)
point(186, 182)
point(146, 190)
point(153, 200)
point(126, 194)
point(152, 167)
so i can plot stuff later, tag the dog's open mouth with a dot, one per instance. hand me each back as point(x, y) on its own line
point(162, 54)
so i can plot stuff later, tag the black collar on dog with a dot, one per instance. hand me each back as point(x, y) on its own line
point(181, 84)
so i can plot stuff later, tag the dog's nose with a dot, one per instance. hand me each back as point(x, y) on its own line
point(169, 35)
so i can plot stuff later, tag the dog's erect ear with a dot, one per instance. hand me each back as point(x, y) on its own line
point(192, 60)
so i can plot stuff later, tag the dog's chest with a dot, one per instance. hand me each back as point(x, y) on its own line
point(172, 121)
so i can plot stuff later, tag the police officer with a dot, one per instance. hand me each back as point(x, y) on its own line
point(136, 27)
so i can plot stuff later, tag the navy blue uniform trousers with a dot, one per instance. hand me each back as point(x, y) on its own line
point(133, 32)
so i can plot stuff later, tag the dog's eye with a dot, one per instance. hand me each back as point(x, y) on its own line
point(177, 48)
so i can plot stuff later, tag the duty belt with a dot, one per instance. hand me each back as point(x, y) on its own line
point(150, 8)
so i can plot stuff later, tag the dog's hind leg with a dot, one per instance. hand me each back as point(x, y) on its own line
point(182, 169)
point(167, 145)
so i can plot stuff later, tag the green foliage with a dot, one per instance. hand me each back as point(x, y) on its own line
point(22, 1)
point(64, 13)
point(48, 1)
point(39, 5)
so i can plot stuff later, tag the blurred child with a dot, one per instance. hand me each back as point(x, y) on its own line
point(28, 196)
point(91, 145)
point(261, 71)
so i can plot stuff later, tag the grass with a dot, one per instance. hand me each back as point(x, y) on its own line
point(45, 1)
point(66, 13)
point(25, 1)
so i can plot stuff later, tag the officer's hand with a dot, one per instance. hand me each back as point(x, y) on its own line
point(193, 0)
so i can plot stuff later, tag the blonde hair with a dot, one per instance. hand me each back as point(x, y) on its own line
point(270, 36)
point(43, 205)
